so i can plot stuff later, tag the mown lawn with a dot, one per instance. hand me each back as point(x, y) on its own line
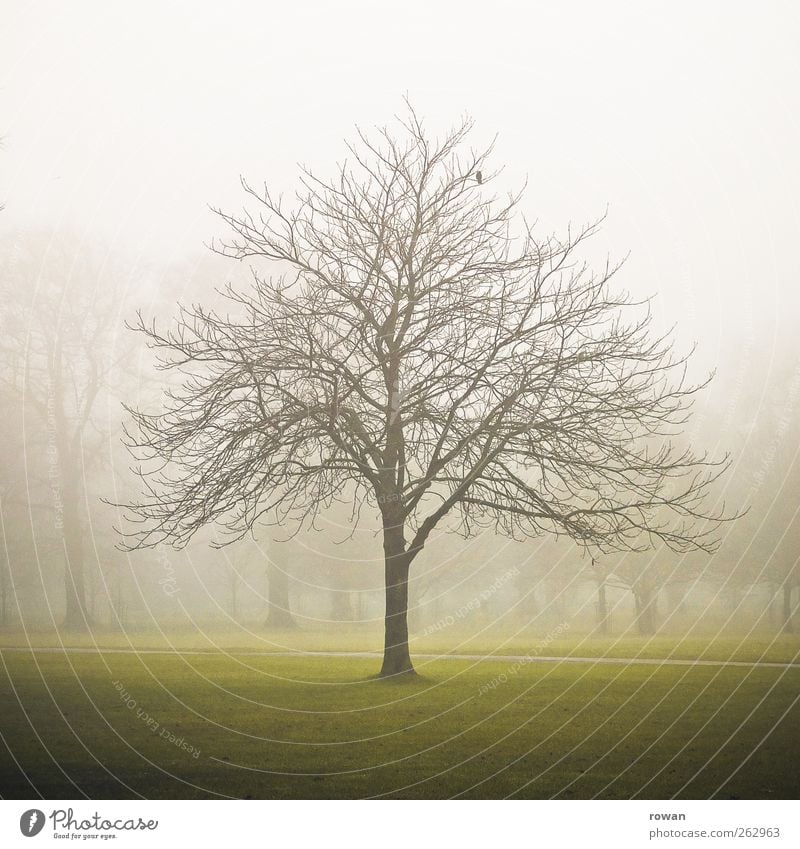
point(275, 727)
point(758, 646)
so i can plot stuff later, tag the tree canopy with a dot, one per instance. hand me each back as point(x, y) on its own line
point(421, 349)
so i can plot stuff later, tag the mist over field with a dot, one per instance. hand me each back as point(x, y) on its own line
point(327, 579)
point(305, 494)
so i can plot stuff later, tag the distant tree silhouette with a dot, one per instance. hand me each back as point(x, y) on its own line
point(61, 314)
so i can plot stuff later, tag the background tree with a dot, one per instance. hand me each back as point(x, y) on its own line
point(775, 541)
point(279, 615)
point(421, 352)
point(61, 315)
point(644, 580)
point(600, 572)
point(759, 555)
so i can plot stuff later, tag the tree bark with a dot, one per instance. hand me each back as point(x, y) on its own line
point(396, 656)
point(280, 613)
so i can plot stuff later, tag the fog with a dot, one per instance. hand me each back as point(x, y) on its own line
point(121, 132)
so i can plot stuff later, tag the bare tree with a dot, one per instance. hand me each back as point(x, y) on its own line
point(600, 572)
point(644, 580)
point(278, 598)
point(421, 351)
point(232, 578)
point(61, 314)
point(762, 550)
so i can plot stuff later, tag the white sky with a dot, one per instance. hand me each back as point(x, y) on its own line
point(123, 121)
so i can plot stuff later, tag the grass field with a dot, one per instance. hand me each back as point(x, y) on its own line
point(761, 646)
point(217, 724)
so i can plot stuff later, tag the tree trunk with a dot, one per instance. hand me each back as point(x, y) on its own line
point(280, 613)
point(603, 625)
point(788, 625)
point(358, 606)
point(772, 603)
point(396, 656)
point(77, 615)
point(645, 609)
point(234, 579)
point(116, 603)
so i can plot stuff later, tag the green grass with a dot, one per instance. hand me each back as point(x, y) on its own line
point(272, 727)
point(760, 646)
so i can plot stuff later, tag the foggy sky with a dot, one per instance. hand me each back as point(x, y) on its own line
point(124, 122)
